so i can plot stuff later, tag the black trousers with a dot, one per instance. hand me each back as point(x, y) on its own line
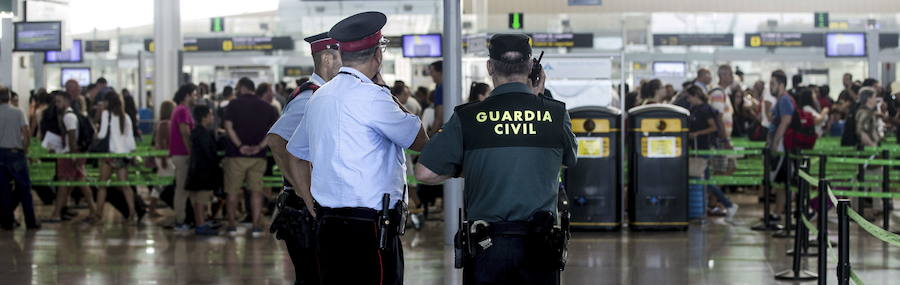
point(306, 264)
point(510, 260)
point(14, 171)
point(349, 254)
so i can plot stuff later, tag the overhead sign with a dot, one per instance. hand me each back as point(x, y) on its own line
point(585, 40)
point(784, 40)
point(217, 24)
point(231, 44)
point(693, 39)
point(96, 46)
point(297, 71)
point(821, 20)
point(516, 21)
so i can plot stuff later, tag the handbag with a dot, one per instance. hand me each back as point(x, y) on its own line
point(102, 145)
point(697, 166)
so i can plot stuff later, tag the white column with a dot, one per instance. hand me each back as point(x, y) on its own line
point(872, 51)
point(6, 47)
point(167, 42)
point(37, 65)
point(453, 198)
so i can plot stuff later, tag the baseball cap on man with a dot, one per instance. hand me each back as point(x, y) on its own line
point(500, 44)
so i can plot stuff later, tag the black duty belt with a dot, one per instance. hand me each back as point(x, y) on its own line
point(510, 228)
point(356, 213)
point(14, 150)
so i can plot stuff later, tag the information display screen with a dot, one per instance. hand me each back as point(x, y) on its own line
point(422, 45)
point(845, 45)
point(669, 69)
point(38, 36)
point(80, 74)
point(70, 55)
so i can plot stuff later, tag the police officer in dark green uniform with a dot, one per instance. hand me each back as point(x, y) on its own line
point(510, 149)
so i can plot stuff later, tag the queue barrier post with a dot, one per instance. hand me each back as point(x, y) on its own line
point(843, 267)
point(823, 222)
point(861, 177)
point(796, 273)
point(886, 188)
point(767, 219)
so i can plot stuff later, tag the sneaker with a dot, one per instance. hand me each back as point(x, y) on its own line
point(416, 221)
point(257, 232)
point(205, 230)
point(729, 216)
point(231, 231)
point(181, 228)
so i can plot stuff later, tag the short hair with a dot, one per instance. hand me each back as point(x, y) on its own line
point(317, 60)
point(796, 80)
point(200, 111)
point(437, 65)
point(246, 83)
point(227, 91)
point(780, 76)
point(101, 80)
point(869, 82)
point(703, 71)
point(725, 68)
point(183, 92)
point(505, 68)
point(649, 89)
point(262, 88)
point(358, 57)
point(696, 91)
point(5, 94)
point(90, 87)
point(398, 88)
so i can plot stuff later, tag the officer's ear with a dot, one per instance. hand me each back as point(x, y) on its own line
point(490, 68)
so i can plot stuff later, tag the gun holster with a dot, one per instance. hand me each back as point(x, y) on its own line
point(293, 223)
point(548, 240)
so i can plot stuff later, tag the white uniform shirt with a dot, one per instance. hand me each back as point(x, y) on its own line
point(354, 134)
point(293, 112)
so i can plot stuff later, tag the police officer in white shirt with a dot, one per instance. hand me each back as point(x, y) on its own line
point(353, 135)
point(292, 224)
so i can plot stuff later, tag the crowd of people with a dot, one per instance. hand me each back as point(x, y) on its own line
point(787, 115)
point(195, 126)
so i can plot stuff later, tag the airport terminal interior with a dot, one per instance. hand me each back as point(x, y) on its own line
point(717, 142)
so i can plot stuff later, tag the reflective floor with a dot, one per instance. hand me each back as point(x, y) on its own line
point(711, 252)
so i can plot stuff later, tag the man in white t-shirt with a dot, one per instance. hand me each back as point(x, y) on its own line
point(720, 97)
point(69, 169)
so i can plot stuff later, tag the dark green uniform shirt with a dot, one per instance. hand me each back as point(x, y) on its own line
point(509, 148)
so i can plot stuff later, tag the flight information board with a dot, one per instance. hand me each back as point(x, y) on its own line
point(231, 44)
point(755, 40)
point(693, 39)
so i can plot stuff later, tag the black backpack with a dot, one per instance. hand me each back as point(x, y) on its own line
point(85, 132)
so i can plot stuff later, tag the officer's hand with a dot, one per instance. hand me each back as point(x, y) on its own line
point(538, 87)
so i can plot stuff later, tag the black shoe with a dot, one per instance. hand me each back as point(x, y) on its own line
point(33, 227)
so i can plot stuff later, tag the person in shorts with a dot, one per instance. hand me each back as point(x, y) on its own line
point(70, 169)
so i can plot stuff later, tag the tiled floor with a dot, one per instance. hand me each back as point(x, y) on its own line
point(709, 253)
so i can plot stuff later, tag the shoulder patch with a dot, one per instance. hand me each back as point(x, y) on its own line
point(554, 102)
point(460, 107)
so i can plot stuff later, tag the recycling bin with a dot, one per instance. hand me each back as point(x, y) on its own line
point(658, 167)
point(594, 184)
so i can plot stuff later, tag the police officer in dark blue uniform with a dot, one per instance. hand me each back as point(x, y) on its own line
point(510, 149)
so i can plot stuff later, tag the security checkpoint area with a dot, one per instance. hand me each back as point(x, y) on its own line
point(449, 142)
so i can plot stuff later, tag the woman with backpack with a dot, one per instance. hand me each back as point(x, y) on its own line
point(116, 132)
point(808, 103)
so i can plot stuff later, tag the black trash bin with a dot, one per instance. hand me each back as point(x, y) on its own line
point(594, 184)
point(658, 168)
